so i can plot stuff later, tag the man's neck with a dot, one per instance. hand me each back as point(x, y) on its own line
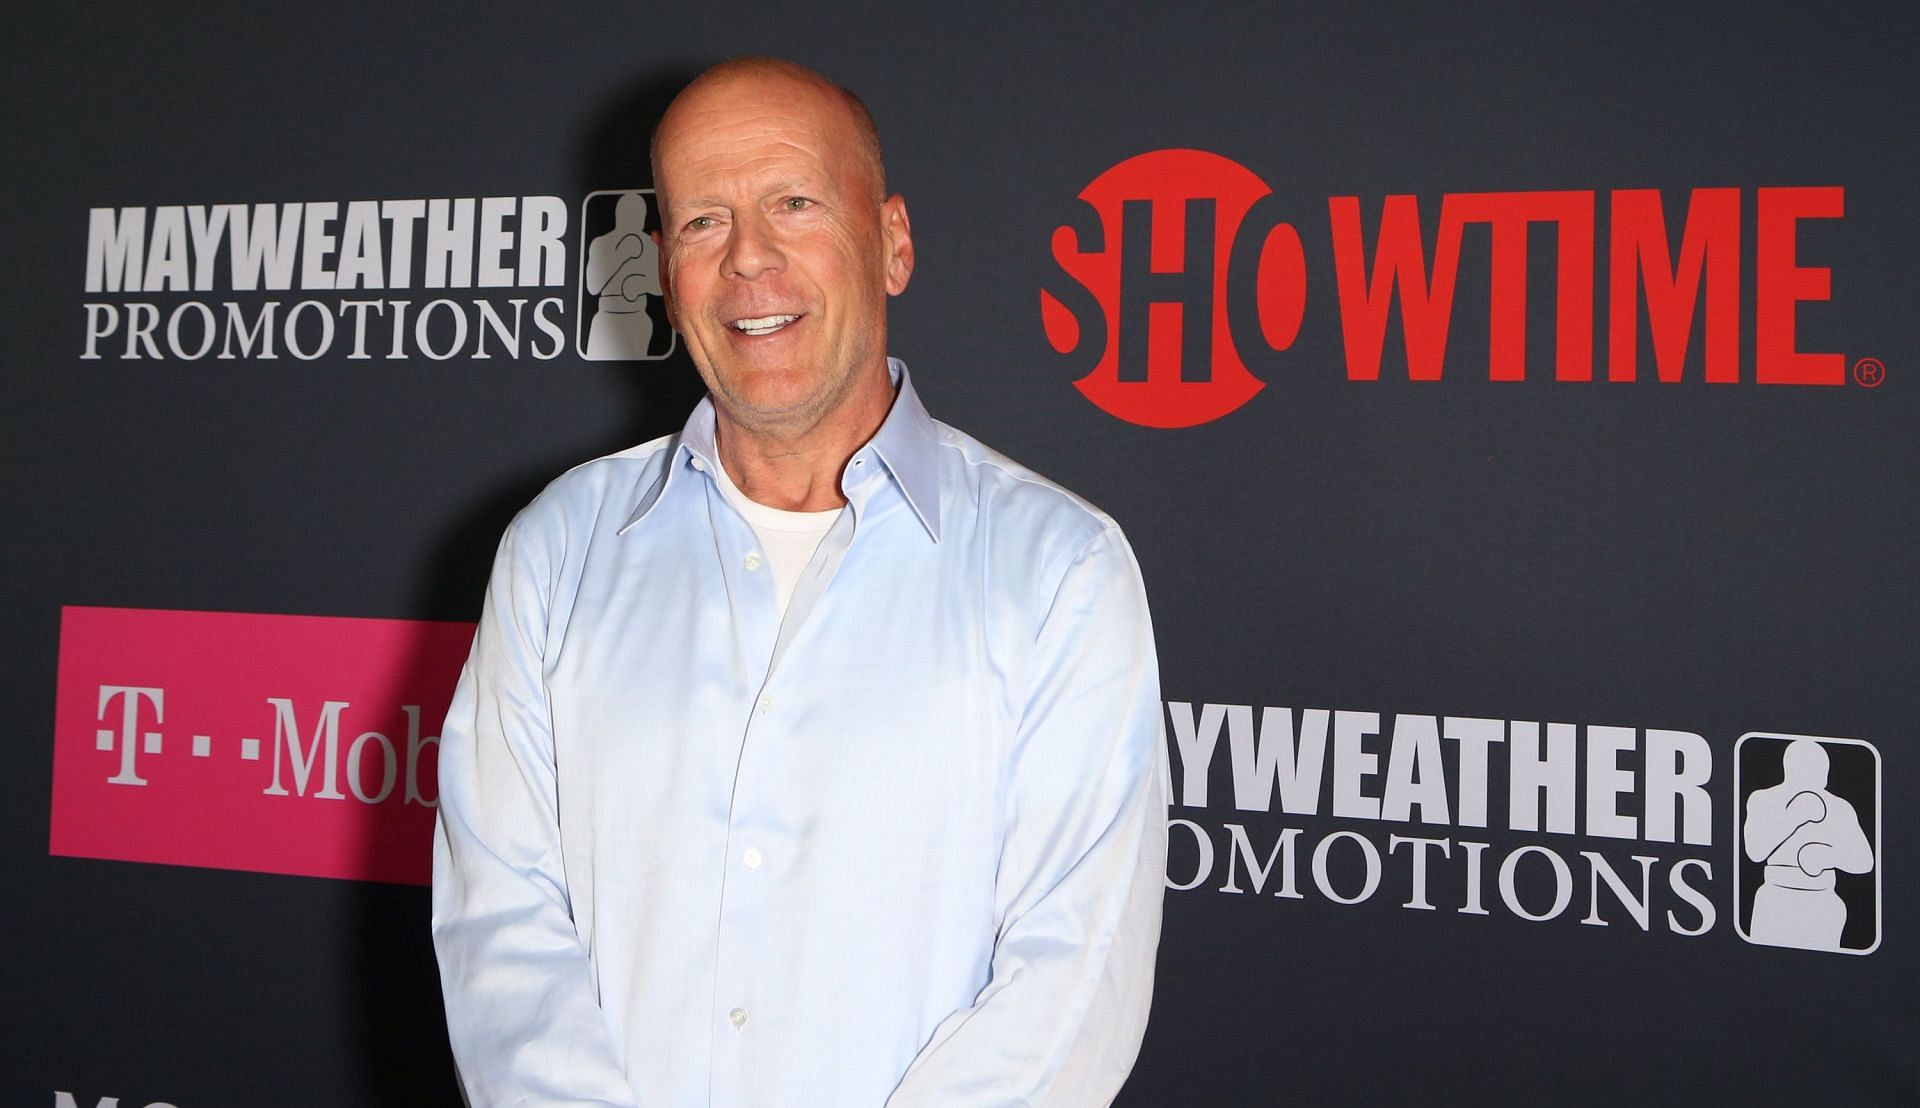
point(799, 470)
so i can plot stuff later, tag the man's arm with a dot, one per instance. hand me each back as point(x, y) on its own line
point(1082, 864)
point(1772, 820)
point(522, 1012)
point(1842, 843)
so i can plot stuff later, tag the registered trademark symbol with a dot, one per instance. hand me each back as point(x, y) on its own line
point(1869, 372)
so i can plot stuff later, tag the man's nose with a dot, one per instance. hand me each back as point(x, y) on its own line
point(752, 250)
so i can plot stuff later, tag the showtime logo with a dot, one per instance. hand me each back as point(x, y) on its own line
point(274, 744)
point(1181, 282)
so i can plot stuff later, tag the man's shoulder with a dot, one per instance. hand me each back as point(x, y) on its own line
point(595, 490)
point(997, 491)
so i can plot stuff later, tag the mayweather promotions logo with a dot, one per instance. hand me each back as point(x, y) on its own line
point(1808, 825)
point(431, 279)
point(623, 316)
point(1178, 281)
point(1536, 822)
point(1183, 281)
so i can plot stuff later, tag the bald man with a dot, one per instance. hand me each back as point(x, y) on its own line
point(810, 756)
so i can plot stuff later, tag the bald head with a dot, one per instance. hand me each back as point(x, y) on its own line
point(779, 249)
point(836, 100)
point(1805, 764)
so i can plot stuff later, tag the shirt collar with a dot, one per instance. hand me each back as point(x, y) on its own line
point(907, 444)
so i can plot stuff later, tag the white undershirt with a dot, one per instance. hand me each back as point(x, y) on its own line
point(788, 539)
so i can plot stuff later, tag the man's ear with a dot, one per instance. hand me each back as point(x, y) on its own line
point(897, 229)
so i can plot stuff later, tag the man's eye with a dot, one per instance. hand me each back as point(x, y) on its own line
point(699, 223)
point(796, 203)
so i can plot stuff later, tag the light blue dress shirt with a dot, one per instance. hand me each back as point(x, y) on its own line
point(904, 846)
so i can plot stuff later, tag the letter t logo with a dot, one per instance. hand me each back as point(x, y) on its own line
point(130, 738)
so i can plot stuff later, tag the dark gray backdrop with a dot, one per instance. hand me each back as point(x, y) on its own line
point(1711, 559)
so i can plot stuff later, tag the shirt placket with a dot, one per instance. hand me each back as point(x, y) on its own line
point(742, 918)
point(759, 838)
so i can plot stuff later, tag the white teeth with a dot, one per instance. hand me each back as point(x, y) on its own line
point(764, 325)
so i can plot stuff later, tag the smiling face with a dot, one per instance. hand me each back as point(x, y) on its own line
point(779, 250)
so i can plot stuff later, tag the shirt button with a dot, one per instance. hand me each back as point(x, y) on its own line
point(751, 561)
point(751, 859)
point(737, 1017)
point(766, 703)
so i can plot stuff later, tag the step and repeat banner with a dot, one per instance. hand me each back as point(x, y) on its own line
point(1514, 413)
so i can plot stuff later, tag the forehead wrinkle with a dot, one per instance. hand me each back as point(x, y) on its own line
point(727, 175)
point(776, 124)
point(740, 162)
point(726, 156)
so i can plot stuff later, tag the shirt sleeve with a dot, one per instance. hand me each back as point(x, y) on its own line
point(1082, 864)
point(523, 1014)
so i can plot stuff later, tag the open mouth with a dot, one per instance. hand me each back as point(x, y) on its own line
point(762, 325)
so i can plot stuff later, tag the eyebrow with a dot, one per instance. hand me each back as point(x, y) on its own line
point(787, 185)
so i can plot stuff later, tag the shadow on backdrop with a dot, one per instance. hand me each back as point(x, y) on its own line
point(402, 1059)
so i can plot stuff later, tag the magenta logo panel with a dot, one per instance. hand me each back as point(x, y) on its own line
point(275, 744)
